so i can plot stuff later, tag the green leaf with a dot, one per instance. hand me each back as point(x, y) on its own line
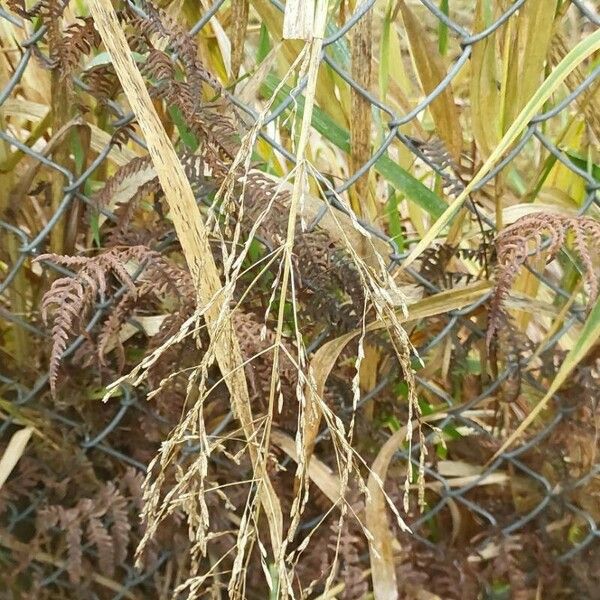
point(185, 134)
point(394, 222)
point(77, 151)
point(584, 164)
point(95, 228)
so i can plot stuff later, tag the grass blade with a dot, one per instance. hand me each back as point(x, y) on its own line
point(486, 100)
point(194, 240)
point(443, 28)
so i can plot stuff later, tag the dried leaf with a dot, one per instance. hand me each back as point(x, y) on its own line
point(13, 452)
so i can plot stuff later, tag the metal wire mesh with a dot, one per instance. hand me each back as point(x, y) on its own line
point(552, 499)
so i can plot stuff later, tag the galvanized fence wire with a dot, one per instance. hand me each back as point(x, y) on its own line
point(32, 243)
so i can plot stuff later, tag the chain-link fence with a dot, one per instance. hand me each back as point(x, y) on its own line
point(554, 500)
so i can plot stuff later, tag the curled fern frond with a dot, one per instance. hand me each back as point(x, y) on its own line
point(536, 233)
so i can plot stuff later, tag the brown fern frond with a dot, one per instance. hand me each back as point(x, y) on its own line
point(112, 327)
point(130, 487)
point(182, 43)
point(164, 276)
point(101, 520)
point(72, 524)
point(529, 236)
point(254, 341)
point(327, 274)
point(124, 176)
point(436, 155)
point(78, 40)
point(158, 66)
point(136, 180)
point(46, 9)
point(98, 535)
point(509, 346)
point(71, 298)
point(211, 121)
point(436, 264)
point(103, 82)
point(124, 211)
point(120, 529)
point(70, 521)
point(122, 134)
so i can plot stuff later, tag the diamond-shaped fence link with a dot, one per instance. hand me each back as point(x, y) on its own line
point(553, 499)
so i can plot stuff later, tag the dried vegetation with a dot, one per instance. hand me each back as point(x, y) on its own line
point(106, 305)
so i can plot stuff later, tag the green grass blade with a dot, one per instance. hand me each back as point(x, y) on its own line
point(264, 44)
point(443, 28)
point(583, 163)
point(402, 180)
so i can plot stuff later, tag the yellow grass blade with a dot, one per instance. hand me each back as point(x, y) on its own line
point(485, 95)
point(528, 54)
